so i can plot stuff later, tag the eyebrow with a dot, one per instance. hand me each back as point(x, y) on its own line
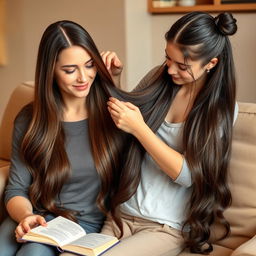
point(73, 66)
point(180, 63)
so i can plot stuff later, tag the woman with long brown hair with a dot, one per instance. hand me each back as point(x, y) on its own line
point(174, 183)
point(65, 151)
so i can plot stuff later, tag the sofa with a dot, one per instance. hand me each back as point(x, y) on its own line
point(242, 176)
point(21, 95)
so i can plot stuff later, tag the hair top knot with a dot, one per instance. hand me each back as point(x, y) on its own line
point(226, 23)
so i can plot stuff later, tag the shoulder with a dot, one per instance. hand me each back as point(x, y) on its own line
point(150, 75)
point(23, 118)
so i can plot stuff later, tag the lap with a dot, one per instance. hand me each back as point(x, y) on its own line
point(32, 249)
point(143, 238)
point(10, 247)
point(146, 243)
point(8, 243)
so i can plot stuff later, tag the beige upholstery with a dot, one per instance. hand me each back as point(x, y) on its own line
point(22, 95)
point(241, 214)
point(246, 249)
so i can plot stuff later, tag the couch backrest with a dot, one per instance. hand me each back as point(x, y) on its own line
point(22, 95)
point(242, 180)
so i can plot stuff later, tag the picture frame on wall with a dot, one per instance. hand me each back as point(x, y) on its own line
point(237, 1)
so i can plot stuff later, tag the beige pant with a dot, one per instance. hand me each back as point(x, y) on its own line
point(143, 238)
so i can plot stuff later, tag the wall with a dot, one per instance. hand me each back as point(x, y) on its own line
point(151, 49)
point(243, 43)
point(138, 41)
point(120, 25)
point(27, 19)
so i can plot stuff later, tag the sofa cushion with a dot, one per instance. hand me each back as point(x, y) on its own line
point(22, 95)
point(242, 180)
point(217, 251)
point(246, 249)
point(4, 163)
point(4, 172)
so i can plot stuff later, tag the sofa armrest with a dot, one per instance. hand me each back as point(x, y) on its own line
point(246, 249)
point(4, 173)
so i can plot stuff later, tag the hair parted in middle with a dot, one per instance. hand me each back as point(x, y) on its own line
point(207, 131)
point(43, 146)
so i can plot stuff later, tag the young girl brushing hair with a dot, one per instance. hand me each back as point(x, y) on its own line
point(174, 186)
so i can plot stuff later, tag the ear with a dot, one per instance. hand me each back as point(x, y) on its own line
point(211, 64)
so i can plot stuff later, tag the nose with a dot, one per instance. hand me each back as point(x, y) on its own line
point(172, 70)
point(81, 76)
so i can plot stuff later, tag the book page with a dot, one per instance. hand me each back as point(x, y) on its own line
point(61, 230)
point(93, 240)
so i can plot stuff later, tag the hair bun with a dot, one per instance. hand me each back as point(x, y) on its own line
point(226, 24)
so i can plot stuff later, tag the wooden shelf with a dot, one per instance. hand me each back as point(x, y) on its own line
point(203, 5)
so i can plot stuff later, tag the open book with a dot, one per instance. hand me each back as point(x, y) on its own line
point(69, 236)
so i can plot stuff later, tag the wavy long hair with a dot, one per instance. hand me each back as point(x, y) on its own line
point(43, 145)
point(207, 130)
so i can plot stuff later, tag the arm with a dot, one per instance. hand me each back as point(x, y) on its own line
point(128, 118)
point(20, 209)
point(145, 81)
point(16, 197)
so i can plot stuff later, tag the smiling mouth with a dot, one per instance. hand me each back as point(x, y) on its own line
point(81, 86)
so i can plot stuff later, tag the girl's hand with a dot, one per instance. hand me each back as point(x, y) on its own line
point(113, 65)
point(126, 116)
point(27, 223)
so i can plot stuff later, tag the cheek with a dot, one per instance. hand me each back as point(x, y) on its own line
point(63, 80)
point(198, 73)
point(185, 75)
point(92, 74)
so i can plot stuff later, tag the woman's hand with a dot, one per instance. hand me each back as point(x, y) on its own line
point(27, 223)
point(113, 65)
point(126, 116)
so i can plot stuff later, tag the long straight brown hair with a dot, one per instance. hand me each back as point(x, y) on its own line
point(43, 146)
point(207, 131)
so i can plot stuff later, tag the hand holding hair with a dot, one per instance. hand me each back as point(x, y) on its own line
point(113, 65)
point(125, 115)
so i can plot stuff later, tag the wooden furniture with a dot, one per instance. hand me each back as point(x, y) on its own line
point(203, 5)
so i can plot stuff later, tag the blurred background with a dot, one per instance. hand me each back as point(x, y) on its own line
point(123, 26)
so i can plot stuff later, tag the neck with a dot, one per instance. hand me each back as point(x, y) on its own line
point(75, 111)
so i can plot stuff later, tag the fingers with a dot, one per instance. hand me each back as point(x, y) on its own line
point(120, 105)
point(19, 232)
point(116, 105)
point(113, 113)
point(41, 221)
point(131, 106)
point(110, 58)
point(27, 223)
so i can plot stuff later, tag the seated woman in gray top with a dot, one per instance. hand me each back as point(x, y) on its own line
point(179, 187)
point(66, 148)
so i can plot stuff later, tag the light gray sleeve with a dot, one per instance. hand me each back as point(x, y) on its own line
point(184, 178)
point(19, 177)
